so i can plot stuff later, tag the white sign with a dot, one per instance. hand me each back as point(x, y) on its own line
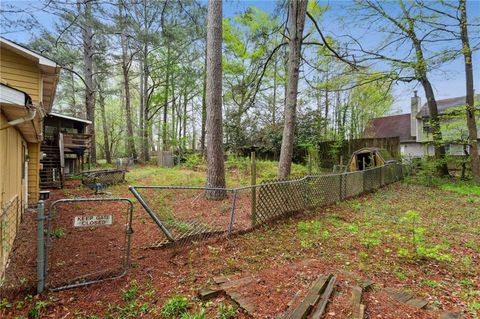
point(87, 221)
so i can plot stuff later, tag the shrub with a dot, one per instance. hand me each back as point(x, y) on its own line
point(175, 307)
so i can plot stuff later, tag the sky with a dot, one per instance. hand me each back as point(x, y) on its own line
point(448, 82)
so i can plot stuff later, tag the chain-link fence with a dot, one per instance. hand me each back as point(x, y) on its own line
point(184, 214)
point(9, 222)
point(87, 240)
point(103, 177)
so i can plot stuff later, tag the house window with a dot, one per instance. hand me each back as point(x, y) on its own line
point(427, 128)
point(447, 149)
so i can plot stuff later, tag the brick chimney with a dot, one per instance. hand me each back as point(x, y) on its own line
point(415, 103)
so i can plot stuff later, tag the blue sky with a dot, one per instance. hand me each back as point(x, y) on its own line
point(448, 82)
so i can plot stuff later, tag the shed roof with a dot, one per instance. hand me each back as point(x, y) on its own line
point(71, 118)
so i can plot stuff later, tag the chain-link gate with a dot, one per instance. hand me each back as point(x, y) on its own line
point(87, 241)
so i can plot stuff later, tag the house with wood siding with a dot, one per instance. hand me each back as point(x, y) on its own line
point(28, 82)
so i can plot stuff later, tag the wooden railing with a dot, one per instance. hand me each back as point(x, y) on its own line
point(76, 140)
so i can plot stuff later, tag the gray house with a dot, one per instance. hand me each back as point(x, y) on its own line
point(414, 129)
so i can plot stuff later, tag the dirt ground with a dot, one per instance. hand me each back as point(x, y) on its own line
point(362, 238)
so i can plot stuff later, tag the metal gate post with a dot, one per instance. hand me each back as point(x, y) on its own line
point(40, 247)
point(151, 213)
point(234, 201)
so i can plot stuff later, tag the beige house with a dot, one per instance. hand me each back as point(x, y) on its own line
point(27, 89)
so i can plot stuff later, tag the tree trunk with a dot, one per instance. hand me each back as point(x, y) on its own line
point(87, 36)
point(442, 168)
point(106, 142)
point(141, 123)
point(165, 104)
point(131, 151)
point(146, 121)
point(297, 15)
point(420, 69)
point(214, 126)
point(184, 125)
point(204, 109)
point(470, 99)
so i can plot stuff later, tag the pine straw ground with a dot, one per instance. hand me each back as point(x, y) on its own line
point(433, 254)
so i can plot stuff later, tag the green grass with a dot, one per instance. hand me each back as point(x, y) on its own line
point(461, 188)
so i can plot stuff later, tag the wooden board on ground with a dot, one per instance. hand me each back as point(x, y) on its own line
point(322, 304)
point(401, 296)
point(236, 282)
point(209, 293)
point(312, 297)
point(357, 308)
point(450, 315)
point(417, 303)
point(241, 301)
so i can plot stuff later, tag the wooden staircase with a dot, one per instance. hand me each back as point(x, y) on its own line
point(51, 175)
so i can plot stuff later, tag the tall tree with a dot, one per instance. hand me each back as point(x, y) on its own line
point(470, 98)
point(214, 126)
point(405, 29)
point(297, 14)
point(126, 62)
point(88, 51)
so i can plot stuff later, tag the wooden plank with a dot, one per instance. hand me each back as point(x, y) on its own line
point(356, 303)
point(220, 279)
point(361, 314)
point(417, 303)
point(237, 282)
point(209, 293)
point(322, 304)
point(401, 296)
point(241, 301)
point(450, 315)
point(312, 297)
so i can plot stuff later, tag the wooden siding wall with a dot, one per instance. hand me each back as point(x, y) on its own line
point(20, 73)
point(11, 188)
point(33, 173)
point(10, 163)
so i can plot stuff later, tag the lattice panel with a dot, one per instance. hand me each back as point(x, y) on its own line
point(277, 198)
point(323, 190)
point(353, 184)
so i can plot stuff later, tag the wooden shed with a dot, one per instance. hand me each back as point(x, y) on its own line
point(27, 88)
point(369, 157)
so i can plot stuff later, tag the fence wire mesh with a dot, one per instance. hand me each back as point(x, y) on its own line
point(9, 222)
point(87, 240)
point(103, 177)
point(184, 214)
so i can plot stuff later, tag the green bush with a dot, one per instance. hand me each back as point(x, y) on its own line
point(193, 161)
point(175, 307)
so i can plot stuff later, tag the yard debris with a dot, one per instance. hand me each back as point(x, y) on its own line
point(318, 294)
point(227, 286)
point(450, 315)
point(358, 309)
point(407, 298)
point(322, 304)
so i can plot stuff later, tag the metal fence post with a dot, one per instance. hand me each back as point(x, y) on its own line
point(40, 247)
point(341, 186)
point(234, 201)
point(254, 189)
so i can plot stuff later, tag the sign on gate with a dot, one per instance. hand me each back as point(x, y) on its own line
point(87, 221)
